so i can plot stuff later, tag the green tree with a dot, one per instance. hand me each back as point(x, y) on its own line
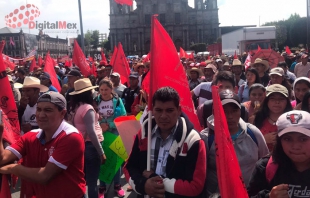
point(199, 47)
point(95, 39)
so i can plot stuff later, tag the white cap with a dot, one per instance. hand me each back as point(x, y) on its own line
point(115, 74)
point(294, 121)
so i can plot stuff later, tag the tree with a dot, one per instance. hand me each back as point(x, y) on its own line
point(199, 47)
point(95, 39)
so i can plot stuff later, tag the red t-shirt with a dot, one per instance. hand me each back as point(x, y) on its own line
point(268, 128)
point(66, 150)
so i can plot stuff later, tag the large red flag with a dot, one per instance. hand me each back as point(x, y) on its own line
point(49, 68)
point(113, 56)
point(121, 65)
point(183, 54)
point(147, 58)
point(40, 61)
point(230, 182)
point(80, 60)
point(235, 56)
point(191, 57)
point(94, 69)
point(287, 50)
point(167, 70)
point(127, 2)
point(258, 49)
point(33, 64)
point(11, 130)
point(103, 58)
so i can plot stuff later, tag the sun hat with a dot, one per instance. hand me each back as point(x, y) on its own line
point(261, 61)
point(277, 71)
point(55, 98)
point(276, 88)
point(236, 62)
point(195, 69)
point(81, 86)
point(211, 66)
point(294, 121)
point(31, 82)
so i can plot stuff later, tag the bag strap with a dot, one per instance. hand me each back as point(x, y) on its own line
point(271, 169)
point(251, 134)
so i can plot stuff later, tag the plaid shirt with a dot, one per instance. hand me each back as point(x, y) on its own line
point(160, 150)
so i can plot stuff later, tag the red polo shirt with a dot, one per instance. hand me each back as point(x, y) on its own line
point(66, 150)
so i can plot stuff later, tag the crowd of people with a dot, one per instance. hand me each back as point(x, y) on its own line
point(267, 111)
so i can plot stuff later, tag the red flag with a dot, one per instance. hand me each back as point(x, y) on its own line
point(80, 60)
point(167, 70)
point(258, 48)
point(147, 58)
point(91, 59)
point(40, 61)
point(103, 58)
point(127, 2)
point(247, 63)
point(287, 50)
point(33, 64)
point(94, 69)
point(191, 57)
point(146, 83)
point(121, 65)
point(49, 68)
point(230, 182)
point(11, 130)
point(235, 56)
point(113, 56)
point(183, 54)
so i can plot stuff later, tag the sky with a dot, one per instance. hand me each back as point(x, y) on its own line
point(96, 13)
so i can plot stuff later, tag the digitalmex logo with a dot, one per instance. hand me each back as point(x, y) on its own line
point(26, 15)
point(22, 16)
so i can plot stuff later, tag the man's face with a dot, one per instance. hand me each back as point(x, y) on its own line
point(107, 72)
point(208, 72)
point(101, 74)
point(194, 75)
point(233, 113)
point(141, 70)
point(133, 82)
point(223, 85)
point(237, 70)
point(276, 79)
point(45, 81)
point(115, 79)
point(304, 60)
point(48, 115)
point(71, 80)
point(166, 114)
point(30, 92)
point(260, 68)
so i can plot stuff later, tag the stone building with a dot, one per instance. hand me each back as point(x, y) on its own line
point(20, 44)
point(185, 25)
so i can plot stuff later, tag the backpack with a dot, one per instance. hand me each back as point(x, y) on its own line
point(249, 132)
point(208, 111)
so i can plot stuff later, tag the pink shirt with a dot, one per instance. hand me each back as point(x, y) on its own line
point(79, 122)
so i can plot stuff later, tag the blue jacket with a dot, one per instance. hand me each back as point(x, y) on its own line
point(119, 110)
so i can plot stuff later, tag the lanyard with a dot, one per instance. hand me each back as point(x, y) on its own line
point(235, 136)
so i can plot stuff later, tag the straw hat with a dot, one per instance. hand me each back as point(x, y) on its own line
point(261, 61)
point(236, 62)
point(138, 65)
point(195, 69)
point(81, 86)
point(31, 82)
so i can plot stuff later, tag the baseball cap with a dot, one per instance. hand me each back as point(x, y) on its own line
point(277, 70)
point(134, 75)
point(304, 56)
point(294, 121)
point(219, 60)
point(74, 72)
point(45, 75)
point(55, 98)
point(228, 96)
point(276, 88)
point(115, 74)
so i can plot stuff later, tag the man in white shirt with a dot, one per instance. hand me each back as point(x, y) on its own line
point(302, 68)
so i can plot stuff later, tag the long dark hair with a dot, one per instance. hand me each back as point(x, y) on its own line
point(78, 99)
point(264, 111)
point(299, 82)
point(305, 102)
point(252, 70)
point(288, 86)
point(278, 155)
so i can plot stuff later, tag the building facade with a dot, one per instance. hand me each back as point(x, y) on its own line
point(20, 44)
point(185, 25)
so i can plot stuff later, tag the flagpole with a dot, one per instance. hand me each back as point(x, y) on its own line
point(81, 26)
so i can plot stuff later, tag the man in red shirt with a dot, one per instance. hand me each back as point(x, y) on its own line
point(53, 155)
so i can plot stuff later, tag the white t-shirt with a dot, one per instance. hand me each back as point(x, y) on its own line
point(105, 109)
point(203, 91)
point(29, 116)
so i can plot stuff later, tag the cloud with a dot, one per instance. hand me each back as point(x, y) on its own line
point(95, 13)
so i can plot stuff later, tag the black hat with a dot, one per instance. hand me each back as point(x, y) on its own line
point(228, 96)
point(74, 72)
